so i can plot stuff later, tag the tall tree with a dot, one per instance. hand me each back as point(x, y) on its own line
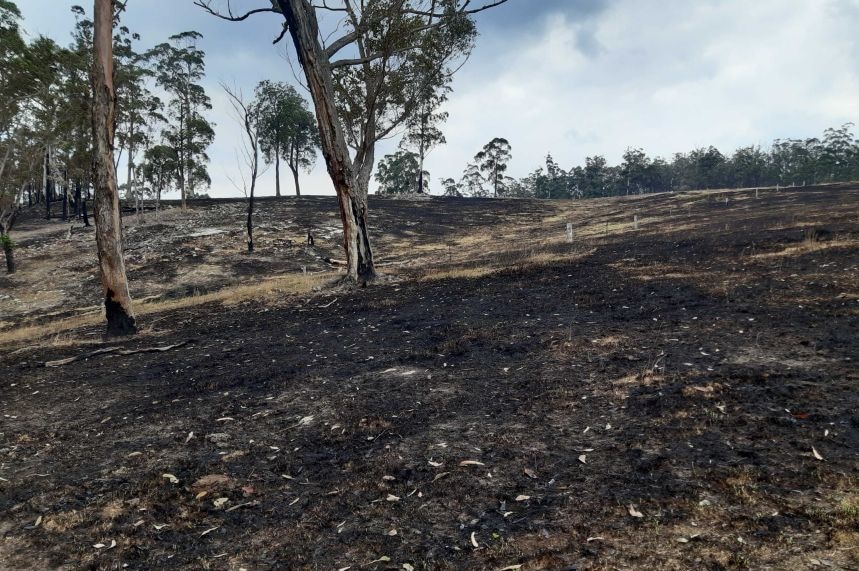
point(366, 34)
point(287, 130)
point(396, 173)
point(180, 66)
point(472, 182)
point(159, 168)
point(492, 161)
point(117, 299)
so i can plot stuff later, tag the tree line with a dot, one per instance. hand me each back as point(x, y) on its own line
point(833, 157)
point(46, 111)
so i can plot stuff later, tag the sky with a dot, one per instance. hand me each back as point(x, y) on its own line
point(573, 78)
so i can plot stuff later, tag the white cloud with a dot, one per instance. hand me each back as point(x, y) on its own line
point(575, 78)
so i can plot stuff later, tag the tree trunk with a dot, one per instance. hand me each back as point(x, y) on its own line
point(46, 184)
point(304, 29)
point(277, 171)
point(117, 299)
point(10, 255)
point(250, 224)
point(77, 197)
point(295, 178)
point(66, 201)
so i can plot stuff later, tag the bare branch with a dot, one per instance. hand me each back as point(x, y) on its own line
point(229, 15)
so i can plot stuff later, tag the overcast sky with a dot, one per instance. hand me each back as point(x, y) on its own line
point(572, 77)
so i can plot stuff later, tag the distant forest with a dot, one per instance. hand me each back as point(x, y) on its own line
point(789, 162)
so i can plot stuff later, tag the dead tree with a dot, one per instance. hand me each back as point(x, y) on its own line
point(246, 115)
point(108, 234)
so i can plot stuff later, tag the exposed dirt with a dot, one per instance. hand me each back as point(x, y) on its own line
point(683, 396)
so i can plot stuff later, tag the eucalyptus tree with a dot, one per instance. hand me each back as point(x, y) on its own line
point(158, 170)
point(492, 161)
point(372, 80)
point(450, 188)
point(179, 67)
point(287, 130)
point(117, 298)
point(472, 182)
point(397, 173)
point(423, 126)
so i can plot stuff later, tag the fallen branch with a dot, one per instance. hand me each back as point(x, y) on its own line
point(115, 350)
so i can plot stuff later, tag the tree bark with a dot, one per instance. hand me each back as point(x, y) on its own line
point(295, 178)
point(250, 224)
point(277, 171)
point(77, 197)
point(65, 201)
point(117, 298)
point(10, 254)
point(304, 29)
point(46, 183)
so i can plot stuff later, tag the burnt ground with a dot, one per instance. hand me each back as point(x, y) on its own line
point(683, 396)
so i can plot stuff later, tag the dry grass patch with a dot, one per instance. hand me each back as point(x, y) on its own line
point(268, 290)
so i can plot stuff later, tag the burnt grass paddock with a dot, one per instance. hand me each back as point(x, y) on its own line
point(690, 373)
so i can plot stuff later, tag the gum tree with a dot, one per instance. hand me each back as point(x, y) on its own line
point(108, 226)
point(377, 39)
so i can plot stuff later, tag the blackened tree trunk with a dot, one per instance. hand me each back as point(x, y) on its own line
point(85, 215)
point(277, 171)
point(251, 220)
point(297, 185)
point(65, 202)
point(9, 252)
point(117, 299)
point(304, 30)
point(77, 197)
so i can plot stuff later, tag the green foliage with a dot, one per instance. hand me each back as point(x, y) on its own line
point(399, 173)
point(472, 182)
point(6, 242)
point(832, 158)
point(179, 67)
point(287, 128)
point(492, 161)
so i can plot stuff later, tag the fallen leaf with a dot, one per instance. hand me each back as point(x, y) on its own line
point(190, 436)
point(682, 540)
point(210, 530)
point(211, 481)
point(435, 464)
point(522, 498)
point(392, 533)
point(530, 473)
point(816, 454)
point(99, 545)
point(173, 479)
point(634, 512)
point(511, 568)
point(160, 526)
point(201, 495)
point(471, 463)
point(133, 454)
point(598, 538)
point(392, 498)
point(407, 567)
point(583, 459)
point(474, 539)
point(440, 475)
point(382, 559)
point(219, 502)
point(38, 521)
